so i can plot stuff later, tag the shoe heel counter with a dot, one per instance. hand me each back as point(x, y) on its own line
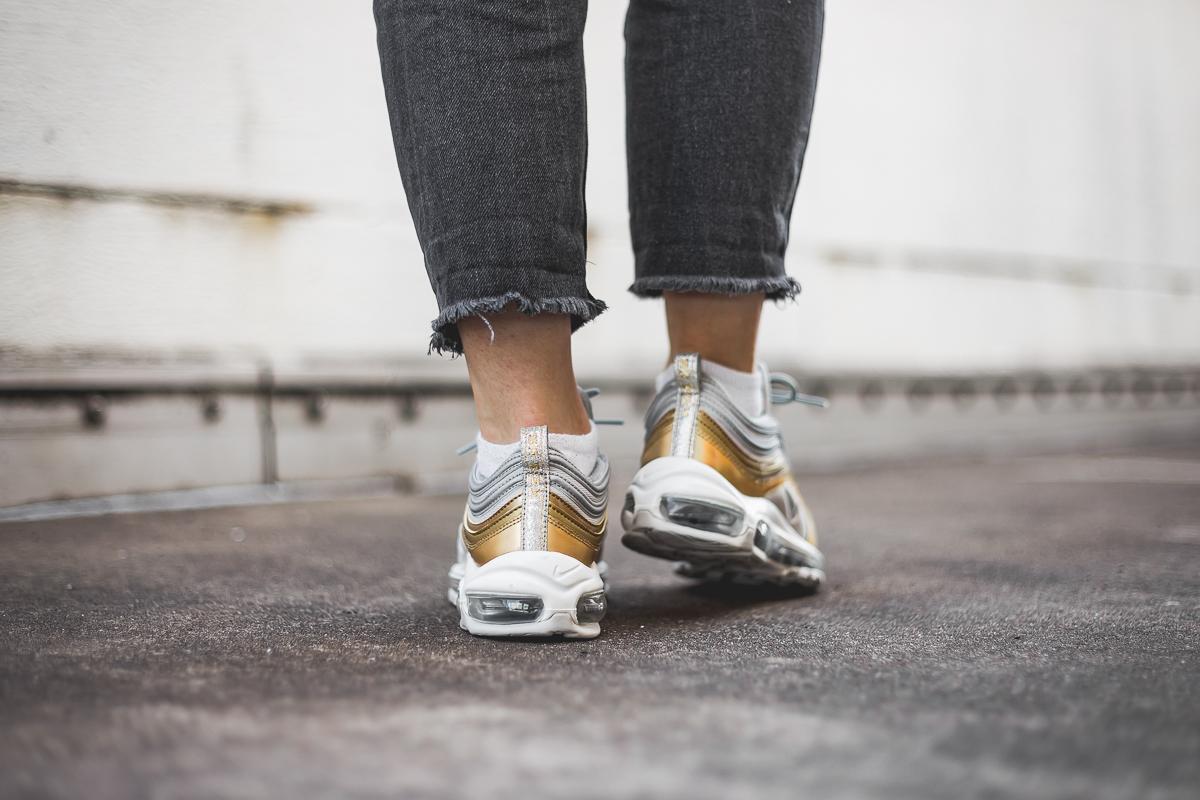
point(522, 524)
point(675, 433)
point(691, 430)
point(549, 522)
point(498, 534)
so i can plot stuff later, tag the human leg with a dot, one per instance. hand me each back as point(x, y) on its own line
point(720, 97)
point(487, 105)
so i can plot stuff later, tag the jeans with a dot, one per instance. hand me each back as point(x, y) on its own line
point(489, 118)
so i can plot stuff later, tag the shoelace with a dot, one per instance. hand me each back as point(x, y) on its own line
point(785, 389)
point(585, 395)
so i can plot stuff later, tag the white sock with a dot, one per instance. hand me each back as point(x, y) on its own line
point(489, 455)
point(748, 390)
point(582, 450)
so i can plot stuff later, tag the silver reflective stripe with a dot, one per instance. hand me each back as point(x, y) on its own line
point(535, 511)
point(687, 404)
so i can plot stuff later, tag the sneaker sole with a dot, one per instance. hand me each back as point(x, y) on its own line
point(681, 510)
point(528, 593)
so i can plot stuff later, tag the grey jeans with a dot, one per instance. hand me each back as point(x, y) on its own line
point(488, 114)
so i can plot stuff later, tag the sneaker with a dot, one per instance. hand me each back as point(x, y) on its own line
point(714, 491)
point(529, 546)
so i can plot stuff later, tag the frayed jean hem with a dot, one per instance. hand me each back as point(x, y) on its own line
point(446, 338)
point(775, 288)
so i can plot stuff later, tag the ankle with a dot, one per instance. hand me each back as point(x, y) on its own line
point(723, 329)
point(739, 360)
point(521, 374)
point(501, 419)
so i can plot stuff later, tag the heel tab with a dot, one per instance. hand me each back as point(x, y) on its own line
point(687, 404)
point(535, 504)
point(535, 440)
point(687, 366)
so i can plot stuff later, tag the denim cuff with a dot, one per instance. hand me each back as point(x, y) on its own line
point(536, 266)
point(479, 291)
point(711, 269)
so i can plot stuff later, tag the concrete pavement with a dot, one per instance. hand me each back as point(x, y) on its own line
point(1020, 627)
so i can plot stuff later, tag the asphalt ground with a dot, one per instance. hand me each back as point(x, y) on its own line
point(1017, 627)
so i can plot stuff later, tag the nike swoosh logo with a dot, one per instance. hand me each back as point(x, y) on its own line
point(559, 569)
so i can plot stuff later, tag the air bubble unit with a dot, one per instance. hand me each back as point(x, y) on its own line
point(511, 609)
point(503, 609)
point(702, 515)
point(591, 608)
point(776, 549)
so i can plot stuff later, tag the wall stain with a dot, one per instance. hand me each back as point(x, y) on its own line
point(193, 200)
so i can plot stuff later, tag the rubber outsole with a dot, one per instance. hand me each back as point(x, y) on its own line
point(764, 549)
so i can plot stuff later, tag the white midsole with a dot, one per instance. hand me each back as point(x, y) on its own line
point(557, 579)
point(675, 476)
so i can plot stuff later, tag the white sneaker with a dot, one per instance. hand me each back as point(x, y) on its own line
point(715, 492)
point(529, 546)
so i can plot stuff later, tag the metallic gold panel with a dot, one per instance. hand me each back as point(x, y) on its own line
point(571, 534)
point(566, 532)
point(658, 443)
point(749, 476)
point(505, 541)
point(498, 534)
point(714, 448)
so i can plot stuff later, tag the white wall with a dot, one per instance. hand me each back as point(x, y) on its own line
point(989, 185)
